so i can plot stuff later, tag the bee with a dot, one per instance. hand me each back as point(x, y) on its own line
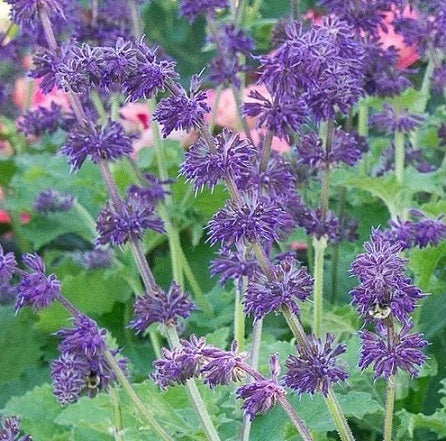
point(379, 311)
point(92, 384)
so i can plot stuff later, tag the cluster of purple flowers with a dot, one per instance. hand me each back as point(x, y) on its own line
point(385, 294)
point(53, 201)
point(164, 307)
point(82, 365)
point(10, 429)
point(392, 120)
point(192, 9)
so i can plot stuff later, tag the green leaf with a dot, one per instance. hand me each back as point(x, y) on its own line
point(409, 422)
point(39, 410)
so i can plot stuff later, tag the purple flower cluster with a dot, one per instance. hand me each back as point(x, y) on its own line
point(107, 142)
point(179, 111)
point(315, 367)
point(10, 429)
point(258, 397)
point(253, 219)
point(195, 358)
point(165, 307)
point(288, 285)
point(392, 120)
point(97, 258)
point(322, 66)
point(53, 201)
point(152, 192)
point(26, 12)
point(385, 294)
point(193, 8)
point(421, 232)
point(126, 221)
point(347, 147)
point(383, 284)
point(233, 265)
point(403, 351)
point(230, 158)
point(36, 289)
point(315, 223)
point(8, 265)
point(82, 364)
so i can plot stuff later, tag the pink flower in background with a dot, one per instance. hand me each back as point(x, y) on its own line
point(38, 99)
point(407, 55)
point(279, 145)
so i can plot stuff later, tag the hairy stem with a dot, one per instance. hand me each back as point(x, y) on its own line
point(145, 412)
point(319, 246)
point(338, 417)
point(239, 316)
point(114, 397)
point(388, 413)
point(266, 152)
point(211, 125)
point(399, 156)
point(295, 327)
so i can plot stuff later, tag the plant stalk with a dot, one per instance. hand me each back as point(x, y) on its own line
point(319, 246)
point(239, 316)
point(114, 397)
point(388, 413)
point(399, 156)
point(338, 416)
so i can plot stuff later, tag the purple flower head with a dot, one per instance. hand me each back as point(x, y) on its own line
point(382, 76)
point(280, 115)
point(231, 157)
point(222, 367)
point(26, 12)
point(97, 258)
point(234, 40)
point(107, 142)
point(233, 265)
point(384, 289)
point(311, 151)
point(315, 367)
point(180, 364)
point(403, 352)
point(43, 120)
point(53, 201)
point(165, 308)
point(421, 232)
point(193, 8)
point(81, 69)
point(315, 225)
point(45, 67)
point(82, 358)
point(224, 70)
point(261, 395)
point(36, 289)
point(10, 429)
point(439, 78)
point(150, 76)
point(152, 192)
point(8, 265)
point(288, 285)
point(129, 220)
point(180, 111)
point(394, 120)
point(255, 219)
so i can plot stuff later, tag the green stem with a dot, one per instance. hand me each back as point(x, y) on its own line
point(135, 20)
point(399, 156)
point(239, 316)
point(85, 216)
point(194, 394)
point(295, 326)
point(155, 341)
point(294, 9)
point(213, 118)
point(363, 118)
point(388, 414)
point(145, 412)
point(117, 414)
point(98, 105)
point(338, 417)
point(319, 246)
point(238, 105)
point(266, 150)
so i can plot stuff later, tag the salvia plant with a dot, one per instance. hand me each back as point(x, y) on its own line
point(223, 220)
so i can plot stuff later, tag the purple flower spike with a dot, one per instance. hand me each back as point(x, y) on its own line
point(393, 120)
point(53, 201)
point(179, 111)
point(108, 142)
point(257, 219)
point(180, 364)
point(232, 265)
point(97, 258)
point(36, 289)
point(8, 265)
point(165, 308)
point(26, 12)
point(82, 364)
point(222, 367)
point(10, 429)
point(193, 8)
point(260, 396)
point(290, 284)
point(45, 67)
point(404, 352)
point(315, 368)
point(150, 76)
point(232, 158)
point(117, 225)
